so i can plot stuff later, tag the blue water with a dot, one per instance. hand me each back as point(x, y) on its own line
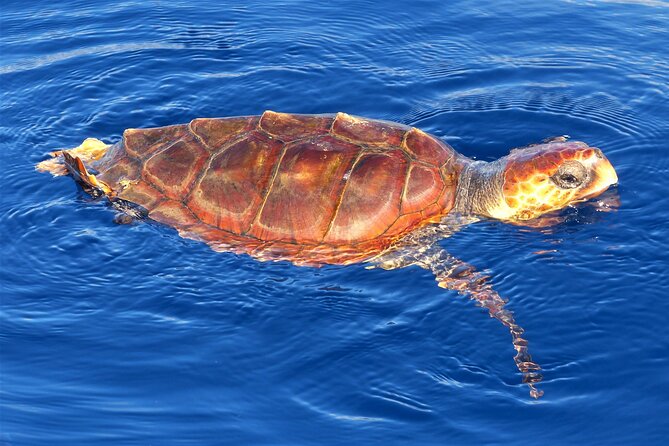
point(129, 335)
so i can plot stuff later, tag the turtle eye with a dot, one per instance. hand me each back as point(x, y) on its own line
point(570, 175)
point(568, 179)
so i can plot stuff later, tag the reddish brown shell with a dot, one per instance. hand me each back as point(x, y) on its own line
point(307, 188)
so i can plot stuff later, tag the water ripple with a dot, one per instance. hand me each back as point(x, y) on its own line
point(100, 50)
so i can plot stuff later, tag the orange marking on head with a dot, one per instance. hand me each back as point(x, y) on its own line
point(546, 177)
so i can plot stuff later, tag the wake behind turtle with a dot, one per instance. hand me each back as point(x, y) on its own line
point(334, 189)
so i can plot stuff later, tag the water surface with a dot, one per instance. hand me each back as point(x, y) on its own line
point(115, 334)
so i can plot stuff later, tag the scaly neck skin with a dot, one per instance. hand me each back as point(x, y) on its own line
point(479, 190)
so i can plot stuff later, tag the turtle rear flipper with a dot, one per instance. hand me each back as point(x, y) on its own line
point(88, 182)
point(72, 161)
point(91, 149)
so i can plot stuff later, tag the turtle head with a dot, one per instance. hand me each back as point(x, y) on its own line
point(549, 176)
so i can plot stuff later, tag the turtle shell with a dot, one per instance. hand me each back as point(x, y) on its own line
point(307, 188)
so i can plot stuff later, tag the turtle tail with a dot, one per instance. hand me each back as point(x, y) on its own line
point(72, 161)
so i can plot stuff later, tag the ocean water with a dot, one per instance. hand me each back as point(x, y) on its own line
point(129, 335)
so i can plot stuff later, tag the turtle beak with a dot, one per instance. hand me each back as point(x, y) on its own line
point(604, 175)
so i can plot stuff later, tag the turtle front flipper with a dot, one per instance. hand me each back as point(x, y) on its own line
point(454, 274)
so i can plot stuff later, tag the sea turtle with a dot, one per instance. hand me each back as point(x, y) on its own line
point(334, 188)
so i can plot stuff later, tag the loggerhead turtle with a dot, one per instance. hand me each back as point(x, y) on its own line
point(334, 189)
